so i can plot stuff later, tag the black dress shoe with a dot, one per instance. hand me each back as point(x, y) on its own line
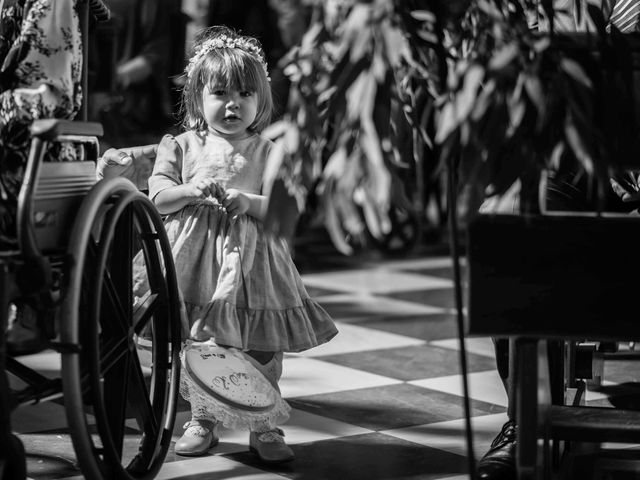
point(24, 335)
point(499, 463)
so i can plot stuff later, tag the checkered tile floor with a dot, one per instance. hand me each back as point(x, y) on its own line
point(380, 401)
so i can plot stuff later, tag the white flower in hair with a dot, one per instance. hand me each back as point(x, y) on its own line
point(223, 41)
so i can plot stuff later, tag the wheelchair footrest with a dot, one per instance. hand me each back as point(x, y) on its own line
point(32, 394)
point(594, 424)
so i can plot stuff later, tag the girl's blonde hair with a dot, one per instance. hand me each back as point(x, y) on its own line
point(225, 58)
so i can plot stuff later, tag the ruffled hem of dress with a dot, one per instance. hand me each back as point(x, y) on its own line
point(289, 330)
point(204, 406)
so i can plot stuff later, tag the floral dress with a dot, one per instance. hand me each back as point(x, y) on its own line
point(40, 77)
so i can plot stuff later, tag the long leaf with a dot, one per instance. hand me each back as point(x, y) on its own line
point(465, 99)
point(579, 147)
point(334, 227)
point(575, 70)
point(533, 87)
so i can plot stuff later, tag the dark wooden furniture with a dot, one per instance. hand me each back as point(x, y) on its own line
point(561, 277)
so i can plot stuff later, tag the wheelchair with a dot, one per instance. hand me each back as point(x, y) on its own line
point(81, 244)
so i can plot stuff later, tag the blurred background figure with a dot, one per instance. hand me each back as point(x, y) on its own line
point(277, 24)
point(293, 19)
point(134, 57)
point(136, 70)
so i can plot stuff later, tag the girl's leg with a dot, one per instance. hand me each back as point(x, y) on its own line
point(268, 443)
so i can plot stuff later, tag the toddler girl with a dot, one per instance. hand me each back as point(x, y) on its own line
point(239, 284)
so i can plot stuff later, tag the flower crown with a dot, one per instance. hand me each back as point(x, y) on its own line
point(224, 41)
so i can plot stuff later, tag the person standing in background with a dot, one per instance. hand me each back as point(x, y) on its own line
point(130, 70)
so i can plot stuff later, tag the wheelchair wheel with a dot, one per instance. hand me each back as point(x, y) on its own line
point(120, 401)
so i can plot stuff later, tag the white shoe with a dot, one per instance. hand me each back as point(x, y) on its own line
point(198, 438)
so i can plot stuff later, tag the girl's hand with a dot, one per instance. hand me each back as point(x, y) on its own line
point(235, 202)
point(204, 187)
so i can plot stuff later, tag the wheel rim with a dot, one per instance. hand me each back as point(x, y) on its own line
point(105, 382)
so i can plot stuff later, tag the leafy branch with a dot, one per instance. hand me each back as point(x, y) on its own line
point(336, 146)
point(469, 83)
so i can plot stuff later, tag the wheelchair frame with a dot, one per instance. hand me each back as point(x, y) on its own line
point(78, 241)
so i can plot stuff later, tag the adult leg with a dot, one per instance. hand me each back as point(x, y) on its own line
point(499, 461)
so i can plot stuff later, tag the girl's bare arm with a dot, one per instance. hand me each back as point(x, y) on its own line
point(173, 199)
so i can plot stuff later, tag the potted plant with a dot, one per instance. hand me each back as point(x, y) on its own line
point(381, 88)
point(344, 144)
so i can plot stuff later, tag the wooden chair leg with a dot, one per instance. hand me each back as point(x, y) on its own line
point(533, 399)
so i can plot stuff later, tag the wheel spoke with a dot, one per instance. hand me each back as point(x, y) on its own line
point(115, 391)
point(112, 353)
point(139, 399)
point(117, 313)
point(143, 313)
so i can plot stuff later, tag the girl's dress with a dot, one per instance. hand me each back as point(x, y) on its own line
point(239, 284)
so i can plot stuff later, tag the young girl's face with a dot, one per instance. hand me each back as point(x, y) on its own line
point(229, 112)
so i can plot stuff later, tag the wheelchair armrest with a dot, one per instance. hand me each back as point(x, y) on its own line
point(50, 129)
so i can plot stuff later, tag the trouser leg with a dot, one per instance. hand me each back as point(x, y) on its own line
point(501, 348)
